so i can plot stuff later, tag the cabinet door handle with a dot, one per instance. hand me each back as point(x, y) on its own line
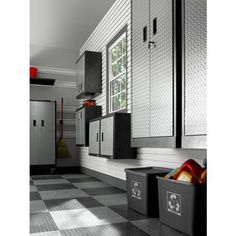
point(144, 34)
point(81, 87)
point(97, 137)
point(102, 136)
point(42, 123)
point(80, 115)
point(154, 26)
point(34, 123)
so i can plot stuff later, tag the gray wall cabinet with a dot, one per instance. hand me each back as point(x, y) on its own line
point(153, 74)
point(83, 116)
point(109, 136)
point(42, 132)
point(194, 76)
point(169, 73)
point(89, 74)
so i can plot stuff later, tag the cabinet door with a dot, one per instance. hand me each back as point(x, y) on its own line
point(107, 136)
point(94, 137)
point(80, 74)
point(46, 133)
point(162, 69)
point(195, 79)
point(82, 127)
point(77, 126)
point(140, 69)
point(34, 133)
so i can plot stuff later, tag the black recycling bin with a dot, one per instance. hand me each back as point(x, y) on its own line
point(142, 189)
point(182, 206)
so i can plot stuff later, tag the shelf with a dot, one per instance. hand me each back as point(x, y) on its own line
point(42, 81)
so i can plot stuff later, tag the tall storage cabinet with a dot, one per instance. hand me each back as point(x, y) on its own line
point(169, 73)
point(83, 116)
point(153, 73)
point(42, 132)
point(109, 136)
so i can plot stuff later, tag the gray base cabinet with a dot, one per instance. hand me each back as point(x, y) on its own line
point(109, 136)
point(42, 132)
point(83, 116)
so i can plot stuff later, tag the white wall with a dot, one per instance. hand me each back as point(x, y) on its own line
point(118, 16)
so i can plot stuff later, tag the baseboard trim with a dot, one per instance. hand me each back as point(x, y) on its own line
point(42, 169)
point(119, 183)
point(68, 170)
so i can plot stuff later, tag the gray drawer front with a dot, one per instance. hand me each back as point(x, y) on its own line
point(140, 69)
point(80, 127)
point(107, 136)
point(94, 137)
point(162, 76)
point(195, 115)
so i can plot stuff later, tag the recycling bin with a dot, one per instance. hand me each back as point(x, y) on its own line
point(142, 191)
point(182, 205)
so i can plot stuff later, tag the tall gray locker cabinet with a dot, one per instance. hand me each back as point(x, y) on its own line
point(153, 73)
point(42, 132)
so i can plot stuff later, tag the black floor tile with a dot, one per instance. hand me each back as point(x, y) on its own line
point(81, 180)
point(71, 203)
point(49, 187)
point(35, 196)
point(38, 177)
point(41, 222)
point(103, 191)
point(120, 229)
point(128, 213)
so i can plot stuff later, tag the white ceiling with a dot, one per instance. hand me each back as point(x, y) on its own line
point(59, 28)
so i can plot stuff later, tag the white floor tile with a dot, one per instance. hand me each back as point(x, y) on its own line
point(85, 217)
point(112, 199)
point(60, 194)
point(50, 181)
point(95, 184)
point(33, 188)
point(37, 206)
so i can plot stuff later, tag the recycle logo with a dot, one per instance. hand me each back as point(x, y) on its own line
point(174, 203)
point(136, 189)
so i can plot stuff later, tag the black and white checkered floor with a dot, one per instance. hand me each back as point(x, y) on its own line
point(71, 205)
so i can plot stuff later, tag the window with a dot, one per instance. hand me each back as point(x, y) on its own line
point(117, 72)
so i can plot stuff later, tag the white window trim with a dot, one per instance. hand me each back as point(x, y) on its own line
point(110, 79)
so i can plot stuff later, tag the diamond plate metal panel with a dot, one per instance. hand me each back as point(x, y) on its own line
point(107, 136)
point(140, 69)
point(161, 87)
point(195, 67)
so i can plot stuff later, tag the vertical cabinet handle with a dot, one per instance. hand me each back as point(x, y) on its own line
point(154, 26)
point(81, 87)
point(80, 115)
point(34, 123)
point(42, 123)
point(102, 136)
point(144, 34)
point(97, 137)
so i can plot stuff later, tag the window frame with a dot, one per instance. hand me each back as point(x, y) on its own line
point(108, 97)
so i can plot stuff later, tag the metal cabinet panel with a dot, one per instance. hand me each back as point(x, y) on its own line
point(34, 133)
point(195, 83)
point(162, 70)
point(80, 127)
point(80, 74)
point(140, 69)
point(46, 133)
point(94, 137)
point(107, 136)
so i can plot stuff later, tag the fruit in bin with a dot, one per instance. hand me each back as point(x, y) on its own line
point(173, 174)
point(193, 167)
point(187, 177)
point(203, 178)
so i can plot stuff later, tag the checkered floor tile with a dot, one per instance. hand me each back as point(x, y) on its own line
point(77, 204)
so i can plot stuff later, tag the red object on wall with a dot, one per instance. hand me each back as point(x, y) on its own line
point(33, 72)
